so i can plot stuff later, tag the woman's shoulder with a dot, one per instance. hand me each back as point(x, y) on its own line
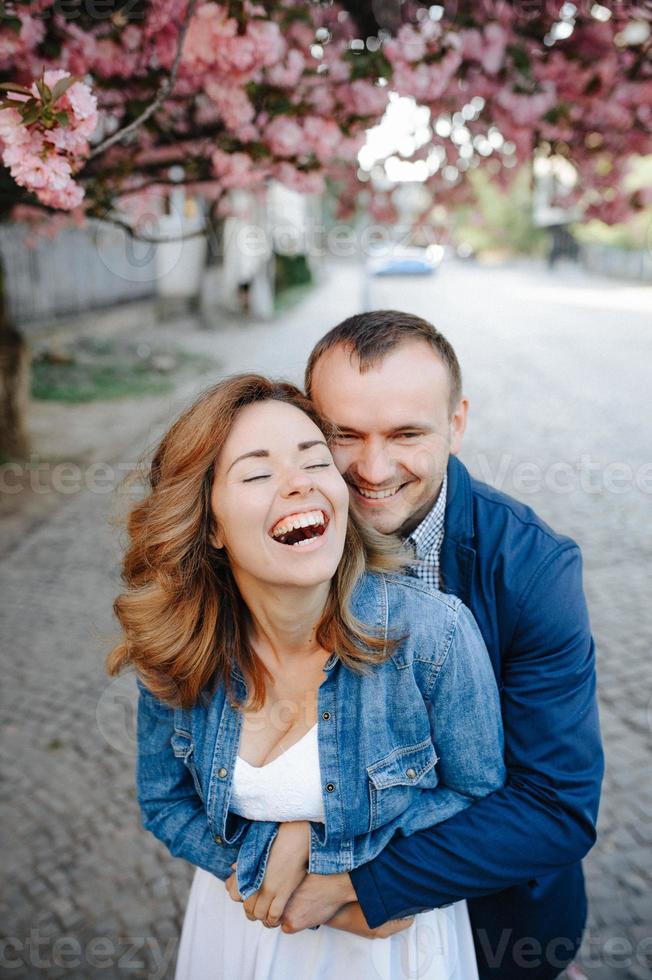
point(407, 592)
point(423, 619)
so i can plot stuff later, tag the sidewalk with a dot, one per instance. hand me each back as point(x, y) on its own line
point(557, 370)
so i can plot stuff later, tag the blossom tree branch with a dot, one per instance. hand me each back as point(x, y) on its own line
point(163, 92)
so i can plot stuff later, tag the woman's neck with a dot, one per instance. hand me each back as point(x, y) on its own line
point(285, 619)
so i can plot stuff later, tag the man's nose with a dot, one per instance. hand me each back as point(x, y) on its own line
point(374, 465)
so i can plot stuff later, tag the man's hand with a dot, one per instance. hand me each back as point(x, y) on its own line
point(316, 900)
point(350, 918)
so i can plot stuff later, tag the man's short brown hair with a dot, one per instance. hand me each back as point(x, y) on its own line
point(370, 336)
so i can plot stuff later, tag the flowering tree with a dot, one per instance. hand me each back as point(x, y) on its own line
point(102, 98)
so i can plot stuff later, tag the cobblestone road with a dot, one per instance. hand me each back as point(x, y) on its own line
point(558, 374)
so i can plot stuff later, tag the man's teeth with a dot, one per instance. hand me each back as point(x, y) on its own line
point(295, 521)
point(377, 494)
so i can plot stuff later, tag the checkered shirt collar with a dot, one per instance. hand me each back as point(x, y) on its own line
point(430, 531)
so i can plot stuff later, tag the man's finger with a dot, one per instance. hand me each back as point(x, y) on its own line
point(275, 911)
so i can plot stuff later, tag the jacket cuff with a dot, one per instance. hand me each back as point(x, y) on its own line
point(253, 854)
point(370, 899)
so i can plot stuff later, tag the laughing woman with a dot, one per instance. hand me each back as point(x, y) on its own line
point(299, 702)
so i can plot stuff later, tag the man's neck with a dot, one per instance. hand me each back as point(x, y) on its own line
point(415, 519)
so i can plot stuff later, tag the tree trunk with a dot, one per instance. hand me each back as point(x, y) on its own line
point(14, 387)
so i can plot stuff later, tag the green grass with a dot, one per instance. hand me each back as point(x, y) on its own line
point(103, 370)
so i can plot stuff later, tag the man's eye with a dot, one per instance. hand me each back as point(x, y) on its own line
point(345, 437)
point(250, 479)
point(408, 435)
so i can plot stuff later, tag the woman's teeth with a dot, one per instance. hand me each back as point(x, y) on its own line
point(304, 527)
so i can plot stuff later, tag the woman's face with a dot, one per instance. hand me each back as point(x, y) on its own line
point(280, 503)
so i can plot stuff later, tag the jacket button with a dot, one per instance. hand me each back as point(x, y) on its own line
point(221, 772)
point(326, 715)
point(410, 773)
point(217, 839)
point(330, 787)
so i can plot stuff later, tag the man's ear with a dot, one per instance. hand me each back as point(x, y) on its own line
point(458, 425)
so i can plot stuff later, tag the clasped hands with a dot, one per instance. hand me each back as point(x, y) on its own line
point(294, 899)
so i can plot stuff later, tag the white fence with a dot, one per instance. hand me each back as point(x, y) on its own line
point(622, 263)
point(79, 269)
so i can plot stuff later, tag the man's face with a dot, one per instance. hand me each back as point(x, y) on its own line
point(396, 432)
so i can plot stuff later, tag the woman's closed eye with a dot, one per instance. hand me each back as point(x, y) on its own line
point(266, 476)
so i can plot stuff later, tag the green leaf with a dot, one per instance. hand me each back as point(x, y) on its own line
point(31, 115)
point(14, 87)
point(519, 56)
point(62, 117)
point(43, 90)
point(63, 85)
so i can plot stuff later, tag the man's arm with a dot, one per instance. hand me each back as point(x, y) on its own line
point(544, 818)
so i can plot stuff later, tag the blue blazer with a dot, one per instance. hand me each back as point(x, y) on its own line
point(515, 855)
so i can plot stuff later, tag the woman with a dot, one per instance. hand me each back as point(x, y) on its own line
point(299, 704)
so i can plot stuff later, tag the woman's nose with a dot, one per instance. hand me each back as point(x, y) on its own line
point(297, 482)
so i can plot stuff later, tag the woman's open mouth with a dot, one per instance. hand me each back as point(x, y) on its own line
point(299, 529)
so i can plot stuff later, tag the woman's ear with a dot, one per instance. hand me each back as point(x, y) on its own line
point(215, 539)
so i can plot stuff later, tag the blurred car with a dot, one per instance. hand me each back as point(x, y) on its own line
point(405, 260)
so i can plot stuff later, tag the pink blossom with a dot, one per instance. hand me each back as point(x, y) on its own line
point(12, 130)
point(270, 44)
point(494, 50)
point(234, 169)
point(323, 137)
point(321, 97)
point(299, 180)
point(66, 198)
point(527, 110)
point(350, 146)
point(32, 29)
point(366, 99)
point(287, 74)
point(284, 136)
point(231, 101)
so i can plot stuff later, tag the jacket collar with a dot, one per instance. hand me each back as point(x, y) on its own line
point(457, 553)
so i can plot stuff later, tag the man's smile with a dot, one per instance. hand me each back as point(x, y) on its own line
point(374, 496)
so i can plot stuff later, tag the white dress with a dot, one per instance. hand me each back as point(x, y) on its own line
point(218, 941)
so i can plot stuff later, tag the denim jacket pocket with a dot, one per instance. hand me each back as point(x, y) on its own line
point(393, 779)
point(184, 748)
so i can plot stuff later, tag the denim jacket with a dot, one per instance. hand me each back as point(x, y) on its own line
point(407, 745)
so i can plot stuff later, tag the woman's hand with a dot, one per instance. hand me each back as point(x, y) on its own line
point(350, 918)
point(286, 868)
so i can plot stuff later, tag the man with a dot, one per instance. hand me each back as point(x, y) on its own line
point(392, 384)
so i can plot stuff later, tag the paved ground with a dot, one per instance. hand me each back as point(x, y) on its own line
point(557, 371)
